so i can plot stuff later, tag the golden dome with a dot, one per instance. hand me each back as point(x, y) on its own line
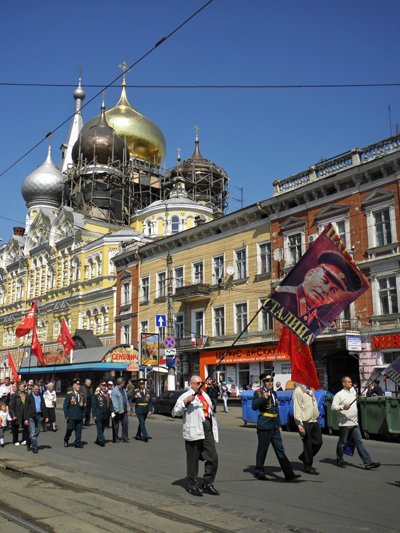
point(143, 138)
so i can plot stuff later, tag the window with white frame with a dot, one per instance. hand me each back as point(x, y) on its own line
point(241, 263)
point(198, 272)
point(126, 333)
point(240, 317)
point(383, 230)
point(144, 289)
point(179, 326)
point(295, 249)
point(265, 319)
point(175, 224)
point(218, 268)
point(198, 323)
point(381, 225)
point(264, 258)
point(161, 284)
point(388, 299)
point(126, 293)
point(178, 277)
point(219, 321)
point(144, 326)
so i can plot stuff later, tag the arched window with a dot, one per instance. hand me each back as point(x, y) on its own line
point(148, 228)
point(50, 278)
point(175, 224)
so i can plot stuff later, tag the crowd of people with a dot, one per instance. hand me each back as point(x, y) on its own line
point(28, 408)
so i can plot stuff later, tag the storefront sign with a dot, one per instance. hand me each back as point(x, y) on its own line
point(122, 354)
point(243, 354)
point(52, 359)
point(353, 343)
point(383, 342)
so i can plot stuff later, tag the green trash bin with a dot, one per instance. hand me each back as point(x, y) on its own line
point(393, 415)
point(373, 415)
point(331, 416)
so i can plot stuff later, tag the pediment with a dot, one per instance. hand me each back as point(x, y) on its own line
point(378, 196)
point(39, 231)
point(332, 211)
point(292, 222)
point(62, 305)
point(126, 274)
point(14, 250)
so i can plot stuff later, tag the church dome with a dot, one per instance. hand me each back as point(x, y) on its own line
point(44, 185)
point(143, 138)
point(99, 143)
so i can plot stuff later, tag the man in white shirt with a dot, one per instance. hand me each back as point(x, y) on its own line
point(345, 403)
point(5, 390)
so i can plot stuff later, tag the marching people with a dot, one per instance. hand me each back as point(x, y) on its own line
point(142, 410)
point(306, 416)
point(120, 409)
point(101, 409)
point(74, 412)
point(16, 411)
point(224, 395)
point(34, 412)
point(200, 432)
point(88, 395)
point(110, 386)
point(50, 400)
point(4, 418)
point(265, 401)
point(344, 402)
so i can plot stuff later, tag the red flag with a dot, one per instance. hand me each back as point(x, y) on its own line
point(12, 366)
point(28, 323)
point(65, 338)
point(36, 348)
point(303, 368)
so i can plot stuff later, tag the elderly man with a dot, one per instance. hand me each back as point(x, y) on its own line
point(306, 416)
point(74, 412)
point(120, 409)
point(200, 432)
point(345, 403)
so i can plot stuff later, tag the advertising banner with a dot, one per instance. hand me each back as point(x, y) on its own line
point(149, 349)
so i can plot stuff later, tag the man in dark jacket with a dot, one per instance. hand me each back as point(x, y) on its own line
point(142, 410)
point(74, 412)
point(16, 410)
point(34, 411)
point(88, 395)
point(101, 409)
point(265, 401)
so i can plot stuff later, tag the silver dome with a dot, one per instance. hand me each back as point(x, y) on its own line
point(44, 185)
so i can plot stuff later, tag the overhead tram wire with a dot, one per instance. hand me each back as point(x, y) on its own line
point(130, 67)
point(207, 86)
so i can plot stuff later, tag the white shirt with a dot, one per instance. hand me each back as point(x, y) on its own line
point(49, 398)
point(347, 417)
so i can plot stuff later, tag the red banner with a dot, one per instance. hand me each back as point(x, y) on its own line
point(28, 323)
point(65, 338)
point(36, 348)
point(320, 286)
point(303, 368)
point(12, 366)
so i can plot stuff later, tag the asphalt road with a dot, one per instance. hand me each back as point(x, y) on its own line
point(350, 499)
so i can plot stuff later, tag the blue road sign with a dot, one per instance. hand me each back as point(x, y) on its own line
point(161, 321)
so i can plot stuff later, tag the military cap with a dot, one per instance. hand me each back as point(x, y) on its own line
point(340, 271)
point(77, 381)
point(102, 382)
point(267, 376)
point(142, 381)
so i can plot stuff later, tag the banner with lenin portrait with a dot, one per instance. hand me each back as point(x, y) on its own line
point(320, 286)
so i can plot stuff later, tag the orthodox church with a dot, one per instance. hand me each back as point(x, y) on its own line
point(109, 188)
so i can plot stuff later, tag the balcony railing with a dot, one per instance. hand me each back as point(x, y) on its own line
point(192, 293)
point(342, 325)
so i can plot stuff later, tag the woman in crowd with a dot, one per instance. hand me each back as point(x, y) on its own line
point(50, 400)
point(4, 418)
point(16, 407)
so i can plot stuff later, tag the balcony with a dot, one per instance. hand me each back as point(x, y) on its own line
point(341, 325)
point(193, 293)
point(190, 343)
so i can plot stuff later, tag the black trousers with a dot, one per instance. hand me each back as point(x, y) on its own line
point(120, 418)
point(100, 425)
point(204, 448)
point(265, 438)
point(74, 425)
point(141, 430)
point(88, 411)
point(15, 431)
point(312, 442)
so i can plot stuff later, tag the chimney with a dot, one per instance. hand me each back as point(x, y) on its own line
point(18, 230)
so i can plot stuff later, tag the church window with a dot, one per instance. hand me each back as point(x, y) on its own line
point(175, 224)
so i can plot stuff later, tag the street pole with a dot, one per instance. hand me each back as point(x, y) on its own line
point(170, 318)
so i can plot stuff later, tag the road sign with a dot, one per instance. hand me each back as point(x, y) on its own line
point(169, 342)
point(170, 352)
point(161, 321)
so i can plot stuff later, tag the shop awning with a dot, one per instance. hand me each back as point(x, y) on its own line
point(84, 367)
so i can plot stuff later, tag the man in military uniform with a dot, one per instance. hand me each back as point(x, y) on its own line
point(101, 409)
point(265, 401)
point(142, 409)
point(74, 412)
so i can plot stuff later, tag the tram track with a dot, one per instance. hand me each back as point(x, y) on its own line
point(27, 524)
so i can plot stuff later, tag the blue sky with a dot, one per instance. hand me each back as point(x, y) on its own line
point(256, 135)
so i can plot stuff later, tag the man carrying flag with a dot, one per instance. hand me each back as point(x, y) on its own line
point(66, 339)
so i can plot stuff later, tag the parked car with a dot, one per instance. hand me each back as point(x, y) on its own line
point(164, 403)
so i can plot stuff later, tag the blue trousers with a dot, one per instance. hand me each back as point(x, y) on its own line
point(265, 438)
point(34, 430)
point(352, 433)
point(141, 430)
point(100, 425)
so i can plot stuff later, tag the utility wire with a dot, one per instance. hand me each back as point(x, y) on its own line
point(208, 86)
point(127, 69)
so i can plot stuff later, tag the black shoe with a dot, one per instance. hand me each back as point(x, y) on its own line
point(293, 477)
point(301, 458)
point(65, 443)
point(261, 476)
point(148, 438)
point(99, 443)
point(195, 491)
point(340, 463)
point(210, 489)
point(34, 451)
point(311, 470)
point(28, 447)
point(372, 465)
point(138, 438)
point(125, 440)
point(78, 445)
